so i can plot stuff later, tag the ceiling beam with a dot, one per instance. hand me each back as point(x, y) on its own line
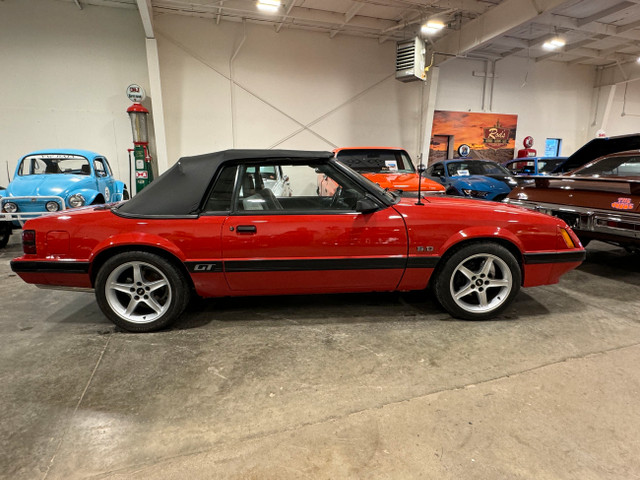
point(575, 61)
point(605, 13)
point(497, 21)
point(629, 26)
point(595, 28)
point(569, 48)
point(146, 15)
point(590, 53)
point(292, 4)
point(348, 16)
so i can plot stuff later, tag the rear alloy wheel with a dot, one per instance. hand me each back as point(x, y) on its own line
point(478, 281)
point(141, 291)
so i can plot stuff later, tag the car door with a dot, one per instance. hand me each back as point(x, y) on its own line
point(308, 242)
point(104, 178)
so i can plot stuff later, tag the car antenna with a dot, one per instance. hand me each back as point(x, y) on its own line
point(421, 169)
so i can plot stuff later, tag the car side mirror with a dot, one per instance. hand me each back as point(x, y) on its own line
point(366, 205)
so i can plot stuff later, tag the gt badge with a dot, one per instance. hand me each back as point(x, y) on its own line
point(204, 267)
point(623, 204)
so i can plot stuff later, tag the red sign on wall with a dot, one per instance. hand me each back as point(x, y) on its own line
point(496, 136)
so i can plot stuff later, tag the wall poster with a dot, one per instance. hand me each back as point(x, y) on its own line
point(490, 136)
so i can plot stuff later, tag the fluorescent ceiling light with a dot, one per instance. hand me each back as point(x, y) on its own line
point(554, 44)
point(269, 5)
point(432, 26)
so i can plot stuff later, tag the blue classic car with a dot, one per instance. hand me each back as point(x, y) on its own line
point(53, 180)
point(473, 178)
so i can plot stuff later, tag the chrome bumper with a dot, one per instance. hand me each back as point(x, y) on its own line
point(21, 216)
point(588, 219)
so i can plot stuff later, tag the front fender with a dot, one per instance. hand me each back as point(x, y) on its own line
point(459, 185)
point(480, 232)
point(118, 186)
point(137, 239)
point(89, 195)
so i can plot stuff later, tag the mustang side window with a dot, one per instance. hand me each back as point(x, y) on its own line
point(222, 191)
point(284, 188)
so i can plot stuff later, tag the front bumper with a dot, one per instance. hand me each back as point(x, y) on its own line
point(29, 207)
point(594, 220)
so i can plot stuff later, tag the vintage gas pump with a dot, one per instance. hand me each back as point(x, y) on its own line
point(527, 151)
point(141, 156)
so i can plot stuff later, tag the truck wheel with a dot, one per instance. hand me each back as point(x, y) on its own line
point(5, 233)
point(478, 281)
point(141, 291)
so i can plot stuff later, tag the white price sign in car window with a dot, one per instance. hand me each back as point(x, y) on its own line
point(391, 165)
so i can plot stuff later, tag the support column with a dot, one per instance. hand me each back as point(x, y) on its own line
point(607, 109)
point(157, 111)
point(430, 93)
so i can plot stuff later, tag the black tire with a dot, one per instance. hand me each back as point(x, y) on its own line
point(488, 273)
point(5, 233)
point(125, 194)
point(453, 191)
point(149, 292)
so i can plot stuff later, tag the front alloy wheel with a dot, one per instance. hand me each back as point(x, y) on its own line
point(478, 281)
point(141, 291)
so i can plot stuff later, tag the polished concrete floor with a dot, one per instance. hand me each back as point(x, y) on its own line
point(327, 387)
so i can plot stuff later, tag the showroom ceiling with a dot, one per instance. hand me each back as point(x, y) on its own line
point(594, 32)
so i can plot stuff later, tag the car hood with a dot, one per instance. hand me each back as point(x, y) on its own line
point(482, 183)
point(407, 182)
point(463, 209)
point(599, 147)
point(46, 185)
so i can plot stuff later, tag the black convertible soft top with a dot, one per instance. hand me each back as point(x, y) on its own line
point(179, 190)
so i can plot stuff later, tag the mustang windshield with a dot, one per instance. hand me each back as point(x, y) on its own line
point(54, 164)
point(476, 168)
point(612, 167)
point(377, 161)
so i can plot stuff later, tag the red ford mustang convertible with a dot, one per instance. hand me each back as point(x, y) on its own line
point(212, 225)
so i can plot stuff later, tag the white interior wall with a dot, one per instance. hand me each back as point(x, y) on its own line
point(551, 99)
point(342, 90)
point(66, 71)
point(64, 78)
point(291, 90)
point(623, 115)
